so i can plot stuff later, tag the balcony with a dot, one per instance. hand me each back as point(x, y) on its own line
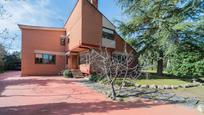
point(108, 40)
point(108, 43)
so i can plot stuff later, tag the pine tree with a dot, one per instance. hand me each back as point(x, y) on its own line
point(161, 24)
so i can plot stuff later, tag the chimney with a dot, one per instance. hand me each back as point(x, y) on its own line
point(94, 2)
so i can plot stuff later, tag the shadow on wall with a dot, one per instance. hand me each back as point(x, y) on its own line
point(73, 108)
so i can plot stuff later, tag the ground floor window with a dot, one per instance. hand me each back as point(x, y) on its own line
point(45, 59)
point(119, 57)
point(84, 58)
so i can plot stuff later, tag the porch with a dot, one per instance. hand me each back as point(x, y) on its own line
point(78, 63)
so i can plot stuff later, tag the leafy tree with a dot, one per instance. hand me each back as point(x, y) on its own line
point(159, 25)
point(12, 61)
point(5, 39)
point(2, 54)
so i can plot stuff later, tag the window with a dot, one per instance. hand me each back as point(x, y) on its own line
point(91, 1)
point(45, 59)
point(62, 41)
point(108, 34)
point(119, 58)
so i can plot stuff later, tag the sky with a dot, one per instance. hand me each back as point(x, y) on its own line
point(50, 13)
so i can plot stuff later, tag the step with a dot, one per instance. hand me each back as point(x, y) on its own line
point(77, 74)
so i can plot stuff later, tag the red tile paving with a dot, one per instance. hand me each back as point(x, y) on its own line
point(59, 96)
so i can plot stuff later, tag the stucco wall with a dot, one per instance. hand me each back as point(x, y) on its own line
point(121, 45)
point(91, 25)
point(41, 40)
point(74, 27)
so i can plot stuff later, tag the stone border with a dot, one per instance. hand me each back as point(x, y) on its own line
point(195, 84)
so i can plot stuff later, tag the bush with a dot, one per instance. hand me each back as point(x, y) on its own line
point(67, 73)
point(127, 82)
point(187, 62)
point(12, 61)
point(96, 78)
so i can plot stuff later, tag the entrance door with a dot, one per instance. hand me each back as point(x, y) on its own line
point(75, 62)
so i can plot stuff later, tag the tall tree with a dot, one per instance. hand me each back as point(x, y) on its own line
point(154, 24)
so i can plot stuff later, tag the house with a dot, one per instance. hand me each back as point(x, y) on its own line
point(48, 50)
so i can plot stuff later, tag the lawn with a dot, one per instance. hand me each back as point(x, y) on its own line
point(161, 82)
point(153, 71)
point(197, 92)
point(164, 80)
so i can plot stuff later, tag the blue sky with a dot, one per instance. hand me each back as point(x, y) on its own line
point(51, 13)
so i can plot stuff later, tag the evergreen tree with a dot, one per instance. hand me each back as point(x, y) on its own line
point(160, 24)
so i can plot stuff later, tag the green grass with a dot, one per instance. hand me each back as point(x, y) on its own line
point(197, 92)
point(161, 82)
point(153, 71)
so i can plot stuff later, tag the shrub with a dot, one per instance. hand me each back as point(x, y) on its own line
point(187, 62)
point(127, 83)
point(67, 73)
point(12, 61)
point(96, 78)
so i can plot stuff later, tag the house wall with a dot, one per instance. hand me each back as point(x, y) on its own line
point(45, 40)
point(74, 27)
point(91, 25)
point(121, 45)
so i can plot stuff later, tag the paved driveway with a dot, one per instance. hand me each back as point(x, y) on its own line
point(60, 96)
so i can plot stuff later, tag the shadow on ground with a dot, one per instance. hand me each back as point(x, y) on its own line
point(73, 108)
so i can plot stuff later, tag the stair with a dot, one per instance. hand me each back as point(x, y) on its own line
point(77, 73)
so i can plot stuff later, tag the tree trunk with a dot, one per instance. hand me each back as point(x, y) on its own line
point(160, 64)
point(152, 64)
point(113, 91)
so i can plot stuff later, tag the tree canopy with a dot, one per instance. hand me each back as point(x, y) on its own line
point(162, 25)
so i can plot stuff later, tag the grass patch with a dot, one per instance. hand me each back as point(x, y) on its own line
point(197, 92)
point(161, 82)
point(153, 71)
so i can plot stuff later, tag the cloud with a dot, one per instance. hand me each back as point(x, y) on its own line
point(30, 12)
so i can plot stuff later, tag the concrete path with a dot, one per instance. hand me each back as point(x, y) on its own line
point(59, 96)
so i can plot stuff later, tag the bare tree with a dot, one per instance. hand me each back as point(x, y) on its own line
point(113, 67)
point(4, 13)
point(6, 38)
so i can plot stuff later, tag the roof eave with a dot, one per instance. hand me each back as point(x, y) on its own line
point(40, 28)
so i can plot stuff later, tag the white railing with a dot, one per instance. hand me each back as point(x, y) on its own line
point(108, 43)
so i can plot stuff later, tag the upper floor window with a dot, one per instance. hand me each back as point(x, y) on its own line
point(45, 58)
point(108, 34)
point(91, 1)
point(62, 41)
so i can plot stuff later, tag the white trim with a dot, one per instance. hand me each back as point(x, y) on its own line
point(108, 31)
point(49, 52)
point(67, 53)
point(40, 28)
point(71, 53)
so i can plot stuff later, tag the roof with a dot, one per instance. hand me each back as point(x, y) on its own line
point(40, 28)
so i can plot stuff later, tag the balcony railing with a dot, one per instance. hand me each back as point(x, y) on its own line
point(108, 43)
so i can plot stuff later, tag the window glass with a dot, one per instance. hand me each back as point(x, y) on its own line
point(108, 34)
point(119, 58)
point(62, 41)
point(45, 59)
point(91, 1)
